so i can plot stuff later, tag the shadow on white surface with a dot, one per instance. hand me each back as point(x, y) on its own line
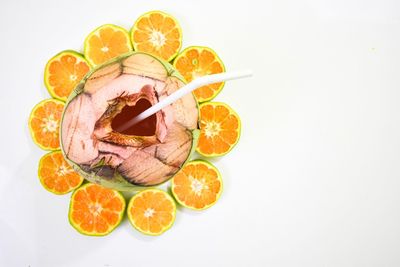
point(13, 249)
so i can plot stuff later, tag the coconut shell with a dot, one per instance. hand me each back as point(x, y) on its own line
point(139, 157)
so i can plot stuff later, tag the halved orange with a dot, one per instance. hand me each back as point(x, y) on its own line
point(157, 33)
point(198, 185)
point(56, 175)
point(219, 129)
point(63, 72)
point(96, 210)
point(197, 61)
point(106, 42)
point(44, 123)
point(151, 211)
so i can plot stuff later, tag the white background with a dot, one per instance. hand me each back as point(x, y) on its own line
point(315, 178)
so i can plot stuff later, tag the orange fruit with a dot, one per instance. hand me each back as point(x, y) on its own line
point(106, 42)
point(96, 210)
point(56, 175)
point(44, 123)
point(63, 72)
point(157, 33)
point(219, 129)
point(197, 61)
point(198, 185)
point(151, 211)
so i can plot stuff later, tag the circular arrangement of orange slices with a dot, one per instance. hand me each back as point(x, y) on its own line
point(96, 210)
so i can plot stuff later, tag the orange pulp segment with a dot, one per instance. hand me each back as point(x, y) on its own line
point(219, 129)
point(151, 211)
point(157, 33)
point(96, 210)
point(56, 175)
point(198, 185)
point(44, 123)
point(197, 61)
point(63, 72)
point(106, 42)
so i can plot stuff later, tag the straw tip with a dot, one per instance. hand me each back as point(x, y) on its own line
point(244, 73)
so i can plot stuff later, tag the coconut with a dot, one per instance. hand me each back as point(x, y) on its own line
point(146, 154)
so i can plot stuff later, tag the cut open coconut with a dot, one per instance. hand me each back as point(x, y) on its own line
point(146, 154)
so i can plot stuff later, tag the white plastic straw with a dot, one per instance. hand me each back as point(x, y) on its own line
point(199, 82)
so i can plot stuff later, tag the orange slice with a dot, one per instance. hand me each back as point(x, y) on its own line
point(96, 210)
point(151, 211)
point(56, 175)
point(106, 42)
point(198, 185)
point(197, 61)
point(44, 123)
point(157, 33)
point(63, 72)
point(219, 129)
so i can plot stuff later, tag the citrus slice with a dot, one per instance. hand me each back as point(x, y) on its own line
point(198, 185)
point(106, 42)
point(44, 123)
point(197, 61)
point(151, 211)
point(63, 72)
point(219, 129)
point(56, 175)
point(96, 210)
point(157, 33)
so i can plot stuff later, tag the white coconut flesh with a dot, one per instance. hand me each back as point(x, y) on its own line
point(148, 153)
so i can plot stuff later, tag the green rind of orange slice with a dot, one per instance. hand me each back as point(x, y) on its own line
point(55, 136)
point(181, 198)
point(87, 46)
point(50, 88)
point(111, 228)
point(132, 219)
point(165, 15)
point(198, 71)
point(63, 168)
point(202, 130)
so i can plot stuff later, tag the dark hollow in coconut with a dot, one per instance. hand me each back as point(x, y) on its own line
point(146, 154)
